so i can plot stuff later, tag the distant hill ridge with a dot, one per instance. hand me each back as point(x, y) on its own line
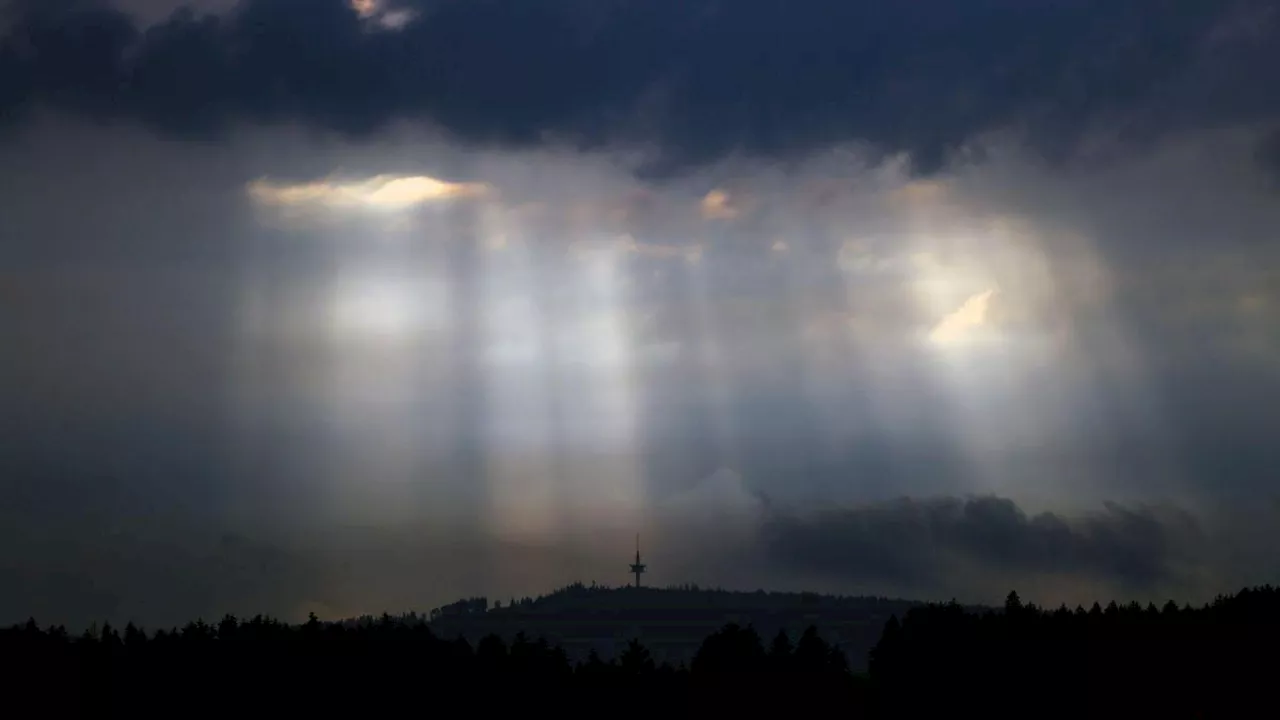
point(671, 622)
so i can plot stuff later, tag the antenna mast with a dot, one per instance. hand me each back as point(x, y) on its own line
point(637, 567)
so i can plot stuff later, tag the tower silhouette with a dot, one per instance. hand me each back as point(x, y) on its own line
point(637, 567)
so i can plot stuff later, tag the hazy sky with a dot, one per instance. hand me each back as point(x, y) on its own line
point(365, 306)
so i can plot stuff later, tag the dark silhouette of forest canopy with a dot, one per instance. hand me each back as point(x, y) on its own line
point(1218, 660)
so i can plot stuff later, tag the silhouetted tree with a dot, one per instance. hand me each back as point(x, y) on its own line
point(636, 660)
point(780, 651)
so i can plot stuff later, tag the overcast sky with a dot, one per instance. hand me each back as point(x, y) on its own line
point(364, 306)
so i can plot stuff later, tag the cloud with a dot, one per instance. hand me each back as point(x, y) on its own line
point(721, 498)
point(917, 543)
point(1268, 154)
point(155, 572)
point(387, 18)
point(925, 80)
point(689, 253)
point(382, 192)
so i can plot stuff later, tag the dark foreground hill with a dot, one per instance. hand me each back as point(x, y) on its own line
point(670, 622)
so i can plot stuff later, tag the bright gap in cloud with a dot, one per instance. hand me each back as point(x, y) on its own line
point(388, 193)
point(718, 205)
point(960, 325)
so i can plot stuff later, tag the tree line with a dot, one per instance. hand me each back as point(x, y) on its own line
point(1217, 660)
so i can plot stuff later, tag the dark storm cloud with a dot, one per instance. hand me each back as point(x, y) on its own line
point(911, 542)
point(697, 80)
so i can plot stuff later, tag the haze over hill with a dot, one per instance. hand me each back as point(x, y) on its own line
point(671, 622)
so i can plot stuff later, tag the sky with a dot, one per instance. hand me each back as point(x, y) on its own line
point(352, 307)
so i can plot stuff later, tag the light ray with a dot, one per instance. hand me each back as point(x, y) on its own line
point(1000, 343)
point(355, 333)
point(596, 346)
point(520, 429)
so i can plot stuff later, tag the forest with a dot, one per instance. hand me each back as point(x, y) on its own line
point(1216, 660)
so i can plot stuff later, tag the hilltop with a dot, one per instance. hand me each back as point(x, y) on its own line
point(671, 622)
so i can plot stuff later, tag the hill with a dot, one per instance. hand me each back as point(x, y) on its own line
point(670, 622)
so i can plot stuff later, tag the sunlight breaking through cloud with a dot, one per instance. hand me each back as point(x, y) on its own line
point(717, 205)
point(958, 325)
point(381, 192)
